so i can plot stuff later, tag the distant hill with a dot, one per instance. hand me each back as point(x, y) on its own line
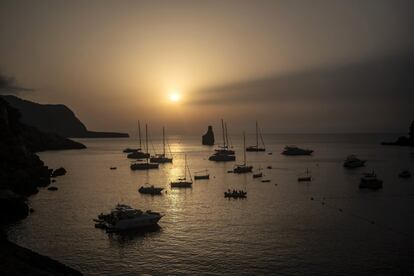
point(55, 118)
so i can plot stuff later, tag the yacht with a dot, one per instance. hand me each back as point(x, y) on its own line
point(147, 165)
point(183, 182)
point(370, 181)
point(294, 150)
point(151, 190)
point(137, 153)
point(223, 153)
point(124, 217)
point(243, 168)
point(256, 147)
point(352, 162)
point(162, 158)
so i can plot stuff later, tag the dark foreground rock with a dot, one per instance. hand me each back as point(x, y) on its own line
point(16, 260)
point(13, 207)
point(208, 138)
point(403, 140)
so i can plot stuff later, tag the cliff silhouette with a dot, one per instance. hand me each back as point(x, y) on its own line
point(55, 118)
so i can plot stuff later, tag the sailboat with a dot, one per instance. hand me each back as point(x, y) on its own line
point(137, 153)
point(243, 168)
point(183, 182)
point(307, 177)
point(256, 147)
point(161, 158)
point(202, 175)
point(145, 165)
point(223, 153)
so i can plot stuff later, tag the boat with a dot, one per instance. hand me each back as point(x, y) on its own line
point(243, 168)
point(265, 180)
point(404, 174)
point(124, 217)
point(151, 190)
point(129, 150)
point(352, 162)
point(256, 147)
point(202, 175)
point(223, 153)
point(113, 168)
point(161, 158)
point(183, 182)
point(235, 194)
point(370, 181)
point(257, 175)
point(294, 150)
point(144, 165)
point(137, 153)
point(306, 178)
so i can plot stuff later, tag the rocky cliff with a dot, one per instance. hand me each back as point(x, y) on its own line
point(403, 140)
point(208, 138)
point(55, 118)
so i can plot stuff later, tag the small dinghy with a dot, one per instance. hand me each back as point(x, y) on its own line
point(404, 174)
point(235, 194)
point(258, 175)
point(305, 178)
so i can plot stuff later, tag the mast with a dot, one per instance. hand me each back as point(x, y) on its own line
point(244, 148)
point(257, 135)
point(189, 173)
point(222, 128)
point(139, 134)
point(146, 140)
point(185, 166)
point(227, 136)
point(163, 140)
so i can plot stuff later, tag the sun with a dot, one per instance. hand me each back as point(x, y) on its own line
point(175, 97)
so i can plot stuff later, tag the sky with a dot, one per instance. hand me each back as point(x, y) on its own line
point(296, 66)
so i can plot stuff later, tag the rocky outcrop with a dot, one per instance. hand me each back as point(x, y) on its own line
point(55, 118)
point(21, 171)
point(208, 138)
point(16, 260)
point(403, 140)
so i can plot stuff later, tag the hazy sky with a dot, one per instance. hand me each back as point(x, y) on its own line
point(296, 66)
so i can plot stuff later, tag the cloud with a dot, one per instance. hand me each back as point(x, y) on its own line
point(8, 86)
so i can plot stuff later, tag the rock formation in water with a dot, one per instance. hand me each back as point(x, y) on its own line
point(403, 140)
point(208, 138)
point(55, 118)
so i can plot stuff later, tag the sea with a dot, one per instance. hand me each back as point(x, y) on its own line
point(284, 227)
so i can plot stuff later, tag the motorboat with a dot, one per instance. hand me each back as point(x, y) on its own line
point(294, 150)
point(183, 182)
point(370, 181)
point(352, 162)
point(124, 217)
point(151, 190)
point(257, 148)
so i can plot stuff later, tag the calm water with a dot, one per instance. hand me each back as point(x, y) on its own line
point(276, 230)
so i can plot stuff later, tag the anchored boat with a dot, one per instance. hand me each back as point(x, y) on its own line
point(223, 153)
point(256, 147)
point(243, 168)
point(183, 182)
point(202, 175)
point(162, 158)
point(294, 150)
point(145, 165)
point(150, 190)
